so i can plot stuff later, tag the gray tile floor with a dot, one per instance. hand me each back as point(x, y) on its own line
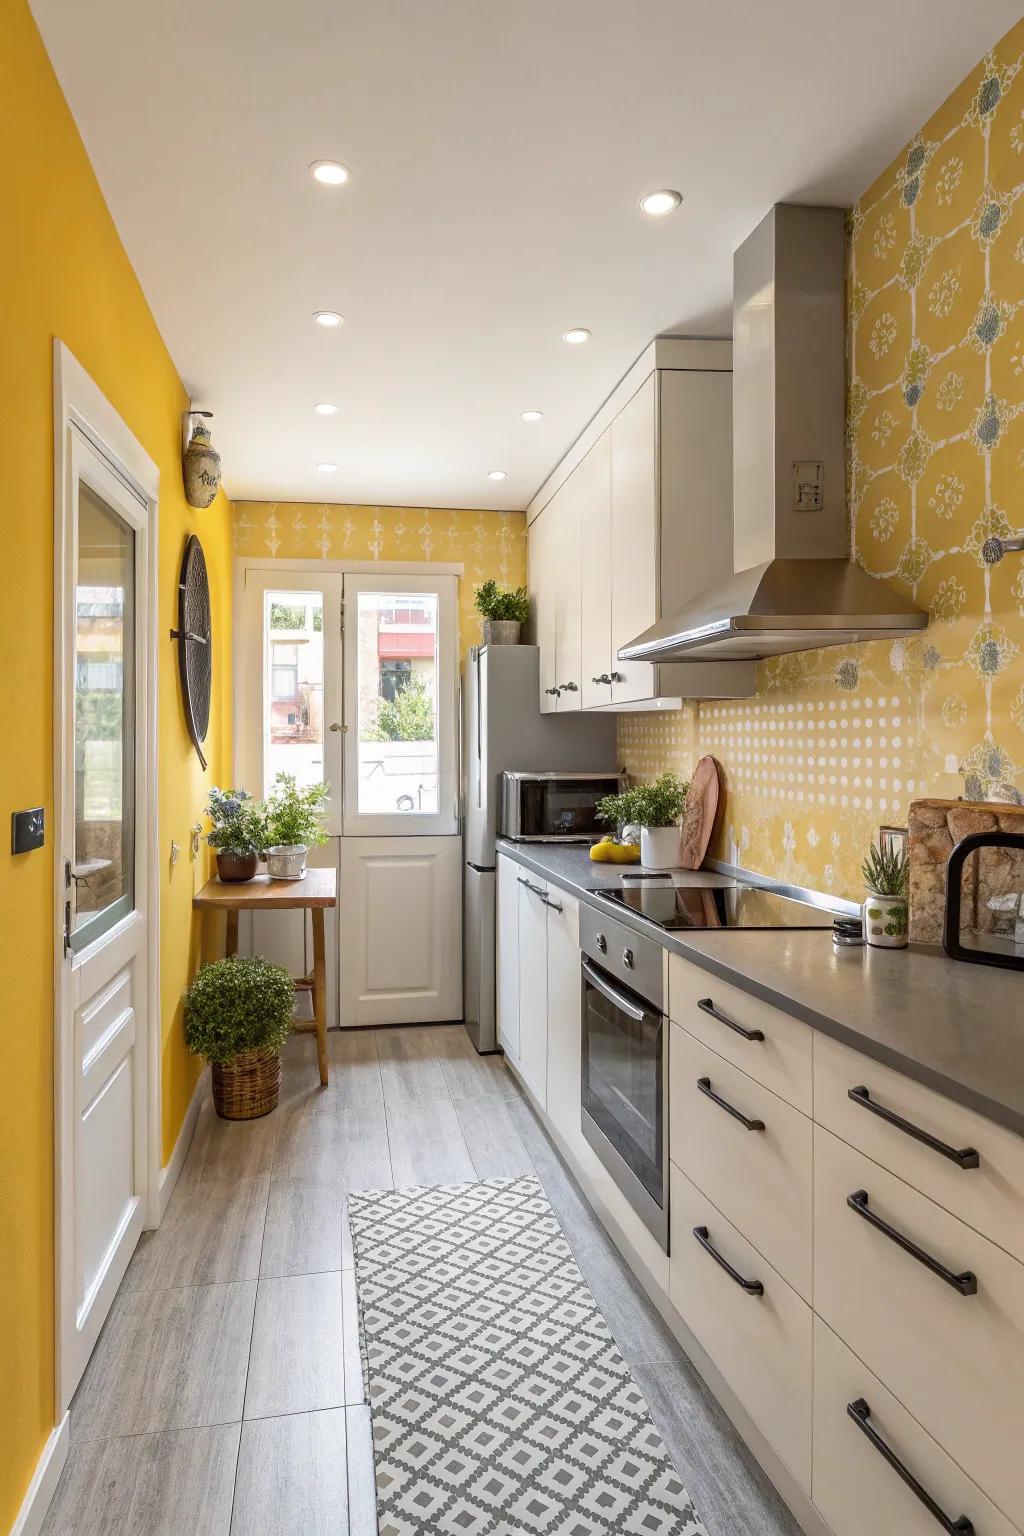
point(225, 1396)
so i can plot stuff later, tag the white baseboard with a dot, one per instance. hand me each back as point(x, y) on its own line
point(169, 1175)
point(45, 1478)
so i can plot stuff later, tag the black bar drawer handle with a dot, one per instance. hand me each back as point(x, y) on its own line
point(556, 906)
point(752, 1287)
point(707, 1006)
point(964, 1157)
point(704, 1084)
point(966, 1283)
point(860, 1413)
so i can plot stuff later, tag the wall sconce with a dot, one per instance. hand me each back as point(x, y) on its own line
point(200, 461)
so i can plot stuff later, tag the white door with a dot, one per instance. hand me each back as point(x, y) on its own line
point(105, 738)
point(542, 557)
point(400, 913)
point(567, 595)
point(507, 958)
point(533, 985)
point(596, 574)
point(634, 545)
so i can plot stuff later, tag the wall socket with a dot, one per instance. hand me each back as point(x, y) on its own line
point(27, 830)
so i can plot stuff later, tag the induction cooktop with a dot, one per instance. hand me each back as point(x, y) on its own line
point(676, 907)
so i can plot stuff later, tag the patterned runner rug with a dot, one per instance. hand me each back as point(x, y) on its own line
point(500, 1401)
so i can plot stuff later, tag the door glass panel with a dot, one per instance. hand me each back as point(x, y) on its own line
point(396, 634)
point(293, 632)
point(103, 872)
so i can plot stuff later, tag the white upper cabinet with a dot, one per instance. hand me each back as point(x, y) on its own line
point(635, 521)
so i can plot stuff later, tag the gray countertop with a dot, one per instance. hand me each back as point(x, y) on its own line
point(955, 1027)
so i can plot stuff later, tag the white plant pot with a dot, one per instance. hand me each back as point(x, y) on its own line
point(885, 921)
point(659, 847)
point(287, 861)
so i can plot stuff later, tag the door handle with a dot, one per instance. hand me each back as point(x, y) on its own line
point(604, 678)
point(752, 1287)
point(966, 1283)
point(337, 726)
point(555, 691)
point(964, 1157)
point(569, 687)
point(707, 1006)
point(704, 1084)
point(860, 1413)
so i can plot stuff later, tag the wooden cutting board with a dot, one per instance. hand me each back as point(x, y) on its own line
point(700, 813)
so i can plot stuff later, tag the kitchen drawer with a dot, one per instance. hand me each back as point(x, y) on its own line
point(760, 1343)
point(955, 1361)
point(759, 1179)
point(989, 1197)
point(780, 1058)
point(853, 1486)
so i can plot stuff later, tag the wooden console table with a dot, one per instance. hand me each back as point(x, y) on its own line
point(314, 894)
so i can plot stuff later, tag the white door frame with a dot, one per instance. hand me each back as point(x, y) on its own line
point(80, 406)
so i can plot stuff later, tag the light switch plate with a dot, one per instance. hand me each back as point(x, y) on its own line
point(27, 830)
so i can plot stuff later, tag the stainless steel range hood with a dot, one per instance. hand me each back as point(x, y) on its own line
point(795, 587)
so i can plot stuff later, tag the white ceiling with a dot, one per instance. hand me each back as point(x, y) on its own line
point(497, 151)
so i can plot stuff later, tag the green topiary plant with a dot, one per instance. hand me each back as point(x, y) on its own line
point(240, 1004)
point(502, 603)
point(887, 872)
point(646, 805)
point(293, 814)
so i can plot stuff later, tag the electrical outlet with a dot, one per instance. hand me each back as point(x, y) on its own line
point(26, 830)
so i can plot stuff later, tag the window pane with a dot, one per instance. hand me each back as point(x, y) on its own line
point(103, 865)
point(397, 672)
point(294, 724)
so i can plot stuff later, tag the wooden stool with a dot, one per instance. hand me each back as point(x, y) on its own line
point(313, 894)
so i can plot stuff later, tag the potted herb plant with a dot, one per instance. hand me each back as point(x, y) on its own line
point(887, 878)
point(505, 610)
point(655, 809)
point(293, 826)
point(238, 1013)
point(237, 833)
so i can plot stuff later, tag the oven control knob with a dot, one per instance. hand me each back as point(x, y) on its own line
point(627, 959)
point(602, 943)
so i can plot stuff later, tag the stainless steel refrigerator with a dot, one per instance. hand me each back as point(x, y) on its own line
point(503, 728)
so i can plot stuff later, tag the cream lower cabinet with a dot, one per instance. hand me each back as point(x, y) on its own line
point(533, 984)
point(507, 958)
point(796, 1217)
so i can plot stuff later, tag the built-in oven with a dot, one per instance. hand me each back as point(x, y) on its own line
point(624, 1062)
point(554, 807)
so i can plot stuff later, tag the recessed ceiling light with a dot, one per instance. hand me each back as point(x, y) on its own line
point(327, 469)
point(532, 415)
point(325, 408)
point(497, 474)
point(327, 317)
point(659, 203)
point(330, 172)
point(576, 335)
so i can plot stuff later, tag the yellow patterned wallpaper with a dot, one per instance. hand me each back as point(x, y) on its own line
point(488, 543)
point(838, 741)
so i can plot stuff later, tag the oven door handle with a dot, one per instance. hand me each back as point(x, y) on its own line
point(634, 1010)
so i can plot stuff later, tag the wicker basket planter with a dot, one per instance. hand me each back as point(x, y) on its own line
point(247, 1087)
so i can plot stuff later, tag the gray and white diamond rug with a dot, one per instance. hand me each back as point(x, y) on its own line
point(499, 1398)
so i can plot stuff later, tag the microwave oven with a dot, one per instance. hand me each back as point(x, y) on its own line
point(554, 807)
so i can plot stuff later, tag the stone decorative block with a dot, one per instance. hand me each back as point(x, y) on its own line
point(990, 877)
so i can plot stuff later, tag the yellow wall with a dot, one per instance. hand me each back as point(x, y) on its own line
point(839, 741)
point(491, 544)
point(64, 273)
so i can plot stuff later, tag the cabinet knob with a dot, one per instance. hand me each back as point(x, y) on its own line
point(569, 687)
point(604, 678)
point(616, 677)
point(627, 959)
point(602, 943)
point(553, 690)
point(337, 726)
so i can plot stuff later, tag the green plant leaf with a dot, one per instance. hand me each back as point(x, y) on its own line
point(236, 1005)
point(495, 602)
point(648, 805)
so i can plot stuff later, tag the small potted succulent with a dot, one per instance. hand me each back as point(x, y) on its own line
point(238, 1013)
point(237, 833)
point(655, 809)
point(293, 826)
point(887, 878)
point(504, 609)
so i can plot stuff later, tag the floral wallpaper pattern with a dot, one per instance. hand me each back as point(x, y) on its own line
point(488, 543)
point(839, 741)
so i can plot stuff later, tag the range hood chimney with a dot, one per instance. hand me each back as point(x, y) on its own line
point(795, 587)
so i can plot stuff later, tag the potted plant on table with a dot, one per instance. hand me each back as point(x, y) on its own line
point(293, 826)
point(238, 1013)
point(655, 809)
point(505, 610)
point(238, 833)
point(887, 878)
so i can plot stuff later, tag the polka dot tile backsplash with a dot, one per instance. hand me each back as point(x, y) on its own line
point(488, 543)
point(839, 741)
